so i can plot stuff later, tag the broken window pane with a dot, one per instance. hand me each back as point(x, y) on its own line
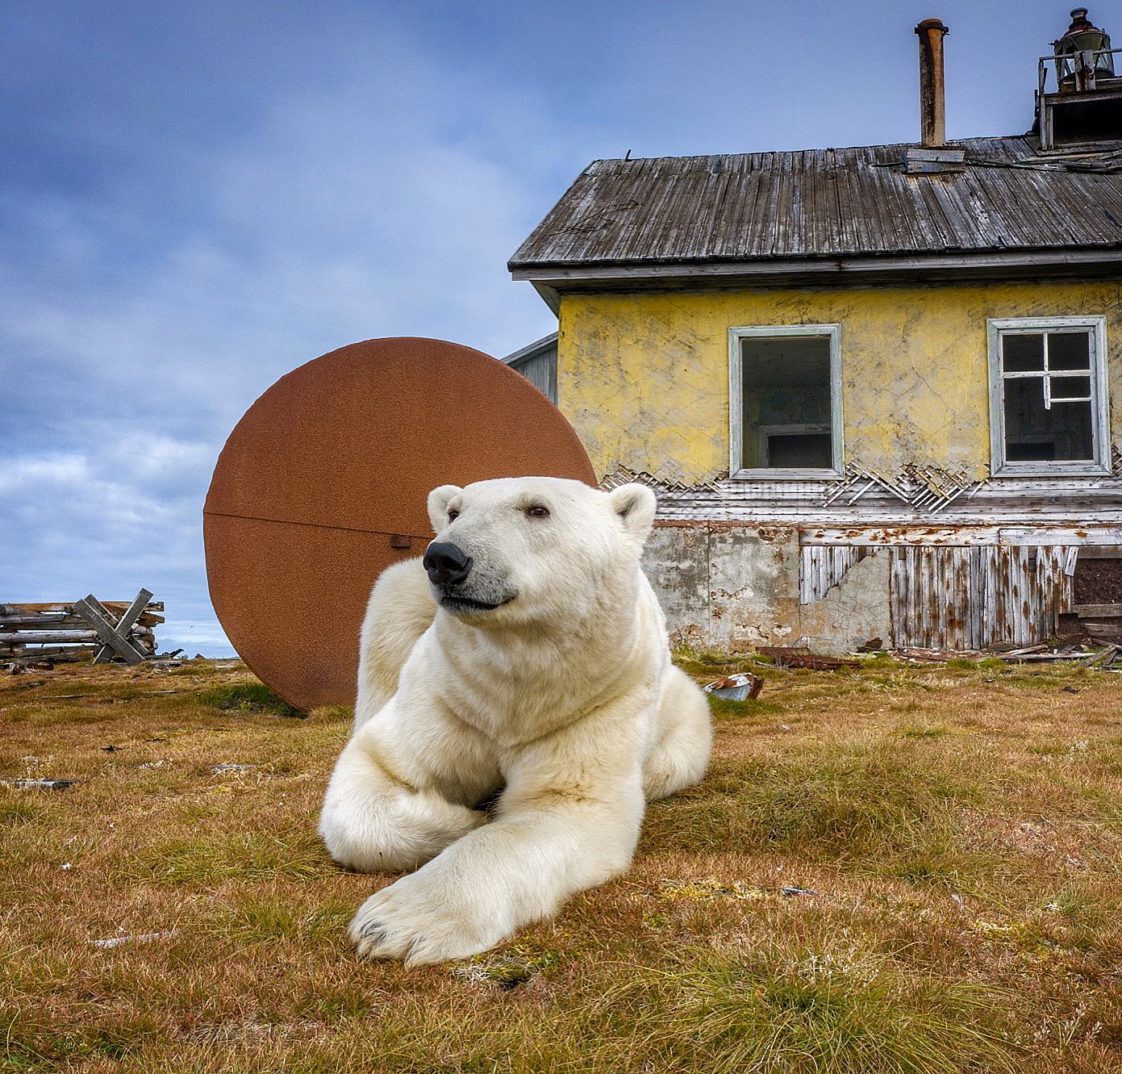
point(1036, 434)
point(788, 413)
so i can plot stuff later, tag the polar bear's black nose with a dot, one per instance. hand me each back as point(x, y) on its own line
point(446, 564)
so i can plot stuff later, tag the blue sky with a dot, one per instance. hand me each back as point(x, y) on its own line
point(197, 198)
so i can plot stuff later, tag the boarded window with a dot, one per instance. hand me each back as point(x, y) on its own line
point(786, 401)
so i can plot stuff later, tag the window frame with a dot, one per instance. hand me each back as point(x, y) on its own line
point(736, 403)
point(1100, 465)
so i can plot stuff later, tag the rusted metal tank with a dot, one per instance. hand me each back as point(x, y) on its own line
point(323, 484)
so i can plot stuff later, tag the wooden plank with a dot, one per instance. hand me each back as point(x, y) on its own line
point(98, 618)
point(1098, 611)
point(1080, 536)
point(898, 535)
point(48, 637)
point(1106, 551)
point(116, 606)
point(121, 628)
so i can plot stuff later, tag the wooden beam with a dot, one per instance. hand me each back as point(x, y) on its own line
point(100, 619)
point(1098, 611)
point(122, 626)
point(46, 637)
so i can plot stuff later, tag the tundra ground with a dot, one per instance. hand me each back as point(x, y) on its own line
point(892, 869)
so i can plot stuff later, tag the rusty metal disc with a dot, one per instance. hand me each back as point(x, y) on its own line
point(323, 484)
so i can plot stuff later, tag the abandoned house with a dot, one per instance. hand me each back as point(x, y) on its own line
point(872, 386)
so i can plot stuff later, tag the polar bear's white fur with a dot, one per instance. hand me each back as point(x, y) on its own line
point(536, 667)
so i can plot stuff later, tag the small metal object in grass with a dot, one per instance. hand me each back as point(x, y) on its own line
point(736, 687)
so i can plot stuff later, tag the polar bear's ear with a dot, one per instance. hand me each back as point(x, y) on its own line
point(438, 505)
point(635, 504)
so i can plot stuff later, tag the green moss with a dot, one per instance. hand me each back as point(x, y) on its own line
point(929, 731)
point(15, 811)
point(508, 972)
point(247, 697)
point(725, 708)
point(822, 1012)
point(837, 802)
point(244, 855)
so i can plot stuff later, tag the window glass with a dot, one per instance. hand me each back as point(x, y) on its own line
point(1023, 353)
point(1069, 350)
point(786, 403)
point(1073, 388)
point(1038, 432)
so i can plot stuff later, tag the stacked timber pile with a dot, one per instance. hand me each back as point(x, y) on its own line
point(84, 630)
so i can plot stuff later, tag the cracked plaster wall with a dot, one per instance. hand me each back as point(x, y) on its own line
point(854, 611)
point(724, 586)
point(644, 377)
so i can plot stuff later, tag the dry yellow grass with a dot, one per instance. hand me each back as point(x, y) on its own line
point(959, 829)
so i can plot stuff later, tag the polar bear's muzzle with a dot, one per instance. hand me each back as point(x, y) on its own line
point(446, 564)
point(448, 567)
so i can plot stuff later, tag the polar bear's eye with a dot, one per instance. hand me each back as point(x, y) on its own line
point(537, 510)
point(453, 515)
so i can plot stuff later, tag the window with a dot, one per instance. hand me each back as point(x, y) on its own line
point(785, 401)
point(1048, 407)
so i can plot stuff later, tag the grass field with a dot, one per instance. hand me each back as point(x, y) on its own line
point(897, 869)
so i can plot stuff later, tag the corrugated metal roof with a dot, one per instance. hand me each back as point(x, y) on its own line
point(826, 203)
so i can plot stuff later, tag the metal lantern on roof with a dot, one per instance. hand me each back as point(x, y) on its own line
point(1082, 55)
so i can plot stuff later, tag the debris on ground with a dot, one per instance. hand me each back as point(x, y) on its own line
point(935, 656)
point(88, 629)
point(1087, 652)
point(38, 784)
point(144, 937)
point(709, 889)
point(715, 889)
point(507, 973)
point(739, 687)
point(799, 656)
point(226, 769)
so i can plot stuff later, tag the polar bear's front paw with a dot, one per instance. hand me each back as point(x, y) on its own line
point(417, 923)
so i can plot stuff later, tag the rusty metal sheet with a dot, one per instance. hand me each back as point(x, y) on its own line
point(323, 484)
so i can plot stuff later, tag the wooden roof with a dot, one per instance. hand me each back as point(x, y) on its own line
point(736, 211)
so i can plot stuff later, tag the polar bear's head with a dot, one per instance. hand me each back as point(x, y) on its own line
point(531, 550)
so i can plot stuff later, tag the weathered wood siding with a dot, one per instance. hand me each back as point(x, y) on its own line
point(822, 568)
point(540, 370)
point(968, 597)
point(956, 596)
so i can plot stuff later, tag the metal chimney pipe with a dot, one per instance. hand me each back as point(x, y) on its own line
point(932, 97)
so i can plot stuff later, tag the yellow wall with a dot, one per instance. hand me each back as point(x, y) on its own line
point(643, 377)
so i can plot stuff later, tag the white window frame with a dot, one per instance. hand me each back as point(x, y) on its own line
point(736, 402)
point(998, 327)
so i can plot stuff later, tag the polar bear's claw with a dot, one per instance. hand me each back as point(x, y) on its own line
point(417, 926)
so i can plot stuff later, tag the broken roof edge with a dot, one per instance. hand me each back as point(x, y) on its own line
point(953, 143)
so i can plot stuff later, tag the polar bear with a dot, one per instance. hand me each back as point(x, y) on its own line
point(524, 660)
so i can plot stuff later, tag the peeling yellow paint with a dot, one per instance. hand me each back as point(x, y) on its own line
point(643, 377)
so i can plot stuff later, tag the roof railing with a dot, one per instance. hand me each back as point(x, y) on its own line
point(1079, 72)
